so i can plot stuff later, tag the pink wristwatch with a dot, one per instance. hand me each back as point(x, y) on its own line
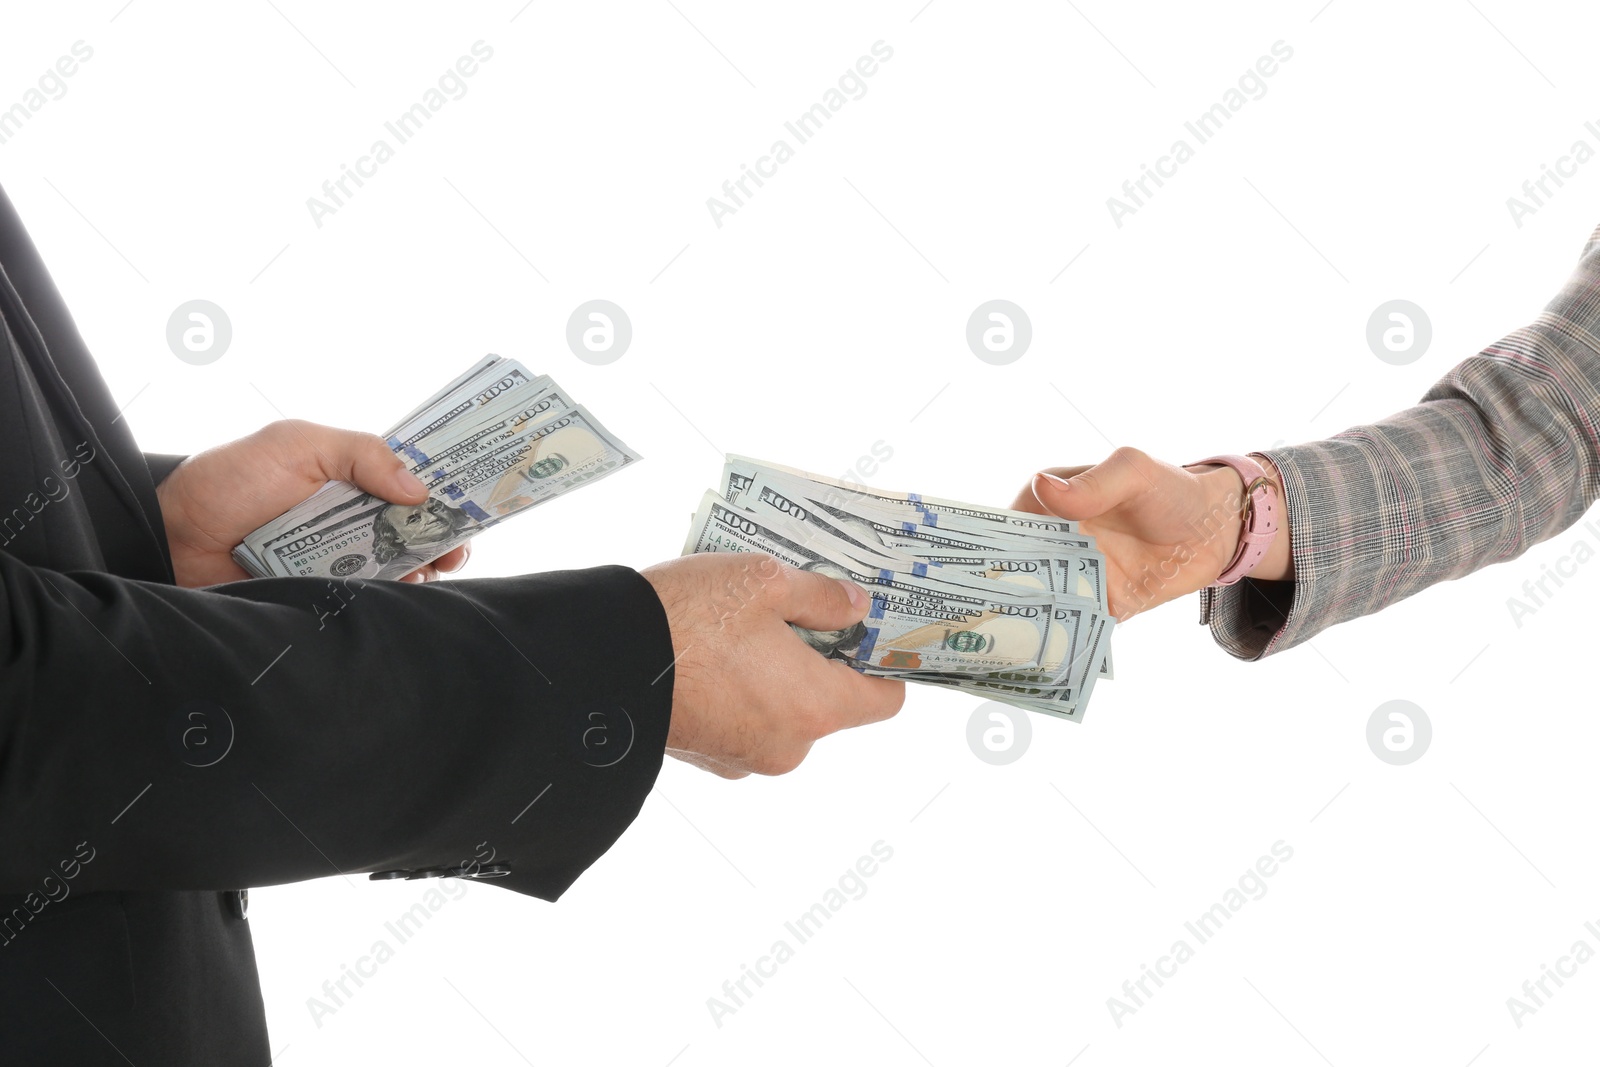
point(1260, 516)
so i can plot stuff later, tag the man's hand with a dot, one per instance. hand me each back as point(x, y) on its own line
point(1166, 531)
point(749, 695)
point(213, 499)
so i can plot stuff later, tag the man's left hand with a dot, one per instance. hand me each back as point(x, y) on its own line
point(213, 499)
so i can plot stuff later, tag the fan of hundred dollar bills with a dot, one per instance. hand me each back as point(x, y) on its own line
point(1001, 604)
point(491, 444)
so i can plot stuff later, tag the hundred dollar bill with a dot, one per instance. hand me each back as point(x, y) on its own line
point(472, 399)
point(1002, 552)
point(993, 574)
point(1057, 567)
point(1016, 688)
point(1001, 529)
point(429, 455)
point(913, 625)
point(472, 374)
point(370, 538)
point(439, 453)
point(466, 405)
point(935, 548)
point(493, 443)
point(740, 469)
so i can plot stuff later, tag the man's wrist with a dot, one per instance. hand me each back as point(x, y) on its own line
point(161, 465)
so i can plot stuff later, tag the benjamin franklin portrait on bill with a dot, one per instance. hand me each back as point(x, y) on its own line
point(405, 536)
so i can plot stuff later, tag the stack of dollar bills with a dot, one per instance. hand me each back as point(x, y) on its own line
point(1000, 604)
point(491, 444)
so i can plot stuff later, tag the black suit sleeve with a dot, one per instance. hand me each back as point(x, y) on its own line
point(340, 728)
point(161, 465)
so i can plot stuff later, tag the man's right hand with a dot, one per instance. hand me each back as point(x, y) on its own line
point(749, 695)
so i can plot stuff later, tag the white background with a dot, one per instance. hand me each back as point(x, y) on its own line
point(826, 315)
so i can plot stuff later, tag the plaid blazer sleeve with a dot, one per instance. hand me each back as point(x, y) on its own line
point(1502, 453)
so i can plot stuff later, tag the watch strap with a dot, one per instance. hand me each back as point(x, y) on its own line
point(1260, 524)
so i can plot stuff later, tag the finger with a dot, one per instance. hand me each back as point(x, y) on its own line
point(452, 560)
point(362, 459)
point(1027, 501)
point(859, 700)
point(816, 602)
point(1096, 490)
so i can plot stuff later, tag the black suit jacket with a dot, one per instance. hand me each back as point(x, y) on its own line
point(163, 748)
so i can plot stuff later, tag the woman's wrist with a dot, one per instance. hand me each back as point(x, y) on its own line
point(1224, 523)
point(1278, 564)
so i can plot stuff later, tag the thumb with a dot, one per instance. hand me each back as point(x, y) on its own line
point(365, 461)
point(1093, 491)
point(816, 602)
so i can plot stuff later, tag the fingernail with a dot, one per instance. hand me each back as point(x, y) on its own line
point(409, 483)
point(858, 596)
point(1054, 479)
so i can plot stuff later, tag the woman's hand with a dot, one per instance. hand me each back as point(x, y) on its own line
point(216, 497)
point(1165, 531)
